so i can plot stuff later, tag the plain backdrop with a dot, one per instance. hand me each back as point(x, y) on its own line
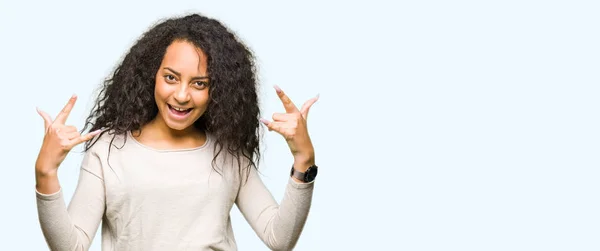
point(442, 125)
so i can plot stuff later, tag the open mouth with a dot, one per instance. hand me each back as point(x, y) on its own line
point(178, 111)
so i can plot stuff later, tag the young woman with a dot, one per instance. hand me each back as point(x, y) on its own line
point(174, 144)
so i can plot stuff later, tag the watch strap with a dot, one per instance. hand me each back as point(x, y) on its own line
point(308, 176)
point(297, 174)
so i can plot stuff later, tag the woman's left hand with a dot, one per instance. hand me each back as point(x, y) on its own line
point(292, 126)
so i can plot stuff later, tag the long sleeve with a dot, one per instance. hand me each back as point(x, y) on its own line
point(278, 226)
point(74, 228)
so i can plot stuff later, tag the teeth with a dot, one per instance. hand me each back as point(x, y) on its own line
point(178, 109)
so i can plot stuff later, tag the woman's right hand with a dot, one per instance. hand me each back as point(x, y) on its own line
point(59, 139)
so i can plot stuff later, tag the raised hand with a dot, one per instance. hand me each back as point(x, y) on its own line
point(59, 139)
point(292, 126)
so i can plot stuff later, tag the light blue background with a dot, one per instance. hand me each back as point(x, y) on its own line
point(442, 125)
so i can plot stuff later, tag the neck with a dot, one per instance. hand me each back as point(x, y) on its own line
point(157, 132)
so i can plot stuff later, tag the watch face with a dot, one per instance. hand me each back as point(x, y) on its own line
point(311, 174)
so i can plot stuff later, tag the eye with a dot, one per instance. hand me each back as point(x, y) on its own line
point(169, 78)
point(201, 84)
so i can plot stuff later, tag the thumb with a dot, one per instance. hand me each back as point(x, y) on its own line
point(306, 106)
point(85, 138)
point(45, 116)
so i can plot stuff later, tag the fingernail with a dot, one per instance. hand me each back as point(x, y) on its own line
point(277, 89)
point(264, 121)
point(318, 95)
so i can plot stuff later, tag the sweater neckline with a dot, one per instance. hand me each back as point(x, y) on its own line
point(203, 146)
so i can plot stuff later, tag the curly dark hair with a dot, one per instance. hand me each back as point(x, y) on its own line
point(126, 98)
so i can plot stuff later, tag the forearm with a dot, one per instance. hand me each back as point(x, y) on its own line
point(46, 182)
point(288, 221)
point(56, 224)
point(72, 227)
point(278, 225)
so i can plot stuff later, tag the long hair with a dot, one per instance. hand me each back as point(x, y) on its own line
point(126, 98)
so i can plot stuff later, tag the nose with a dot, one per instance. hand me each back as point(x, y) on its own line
point(182, 94)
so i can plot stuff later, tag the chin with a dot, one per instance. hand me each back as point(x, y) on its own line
point(178, 126)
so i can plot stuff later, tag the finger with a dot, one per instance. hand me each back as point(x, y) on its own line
point(272, 126)
point(287, 102)
point(85, 138)
point(68, 129)
point(306, 107)
point(64, 113)
point(45, 116)
point(266, 123)
point(282, 117)
point(282, 128)
point(72, 135)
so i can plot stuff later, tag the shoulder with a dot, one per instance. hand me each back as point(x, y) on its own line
point(105, 140)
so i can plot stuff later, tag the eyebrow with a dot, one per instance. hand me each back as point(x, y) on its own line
point(179, 74)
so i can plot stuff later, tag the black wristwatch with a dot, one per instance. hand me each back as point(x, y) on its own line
point(308, 176)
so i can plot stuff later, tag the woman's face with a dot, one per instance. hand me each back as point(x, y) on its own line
point(181, 90)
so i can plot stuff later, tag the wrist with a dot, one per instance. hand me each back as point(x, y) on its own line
point(302, 165)
point(45, 167)
point(303, 162)
point(47, 182)
point(45, 171)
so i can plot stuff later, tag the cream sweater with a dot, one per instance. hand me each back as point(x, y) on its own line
point(149, 199)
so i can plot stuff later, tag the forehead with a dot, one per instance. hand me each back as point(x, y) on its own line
point(185, 57)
